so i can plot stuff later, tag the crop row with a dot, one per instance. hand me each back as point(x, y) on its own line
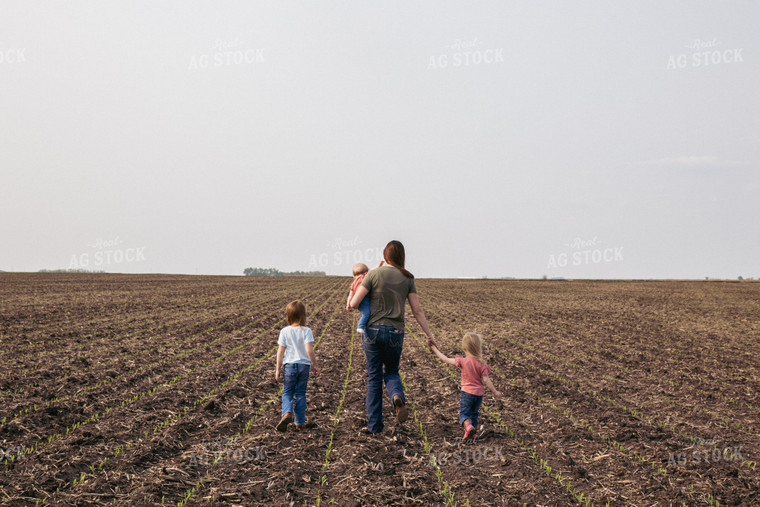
point(694, 316)
point(691, 352)
point(140, 352)
point(445, 490)
point(621, 353)
point(624, 406)
point(344, 391)
point(493, 414)
point(28, 450)
point(42, 358)
point(65, 331)
point(73, 302)
point(99, 465)
point(104, 380)
point(563, 354)
point(272, 399)
point(627, 411)
point(115, 340)
point(568, 414)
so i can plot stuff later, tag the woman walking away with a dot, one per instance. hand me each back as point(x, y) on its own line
point(389, 287)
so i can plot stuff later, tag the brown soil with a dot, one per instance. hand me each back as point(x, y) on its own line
point(148, 389)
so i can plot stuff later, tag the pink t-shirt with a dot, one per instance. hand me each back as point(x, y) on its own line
point(472, 374)
point(357, 282)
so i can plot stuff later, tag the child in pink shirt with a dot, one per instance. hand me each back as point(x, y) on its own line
point(474, 376)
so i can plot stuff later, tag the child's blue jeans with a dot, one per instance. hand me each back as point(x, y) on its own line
point(364, 312)
point(469, 405)
point(295, 380)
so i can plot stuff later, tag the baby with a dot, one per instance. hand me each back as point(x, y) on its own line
point(360, 270)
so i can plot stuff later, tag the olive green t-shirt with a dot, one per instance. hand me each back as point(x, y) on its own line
point(388, 289)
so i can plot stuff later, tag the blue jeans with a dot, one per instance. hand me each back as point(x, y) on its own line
point(469, 405)
point(364, 313)
point(295, 380)
point(382, 346)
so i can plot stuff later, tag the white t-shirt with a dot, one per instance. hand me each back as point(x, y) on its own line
point(294, 339)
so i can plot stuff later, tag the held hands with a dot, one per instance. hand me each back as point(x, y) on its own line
point(431, 343)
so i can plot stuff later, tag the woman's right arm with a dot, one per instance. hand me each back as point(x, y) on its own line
point(419, 315)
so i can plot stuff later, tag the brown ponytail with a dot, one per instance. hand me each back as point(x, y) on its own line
point(395, 256)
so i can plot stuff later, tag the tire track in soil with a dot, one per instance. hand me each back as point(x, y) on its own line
point(125, 425)
point(725, 467)
point(251, 440)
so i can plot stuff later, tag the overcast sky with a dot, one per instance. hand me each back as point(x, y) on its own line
point(569, 139)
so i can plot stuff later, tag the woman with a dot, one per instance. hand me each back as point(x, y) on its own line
point(389, 287)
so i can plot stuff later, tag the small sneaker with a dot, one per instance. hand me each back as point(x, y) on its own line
point(402, 414)
point(469, 433)
point(283, 424)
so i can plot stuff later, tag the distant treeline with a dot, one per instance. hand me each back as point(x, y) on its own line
point(69, 271)
point(277, 272)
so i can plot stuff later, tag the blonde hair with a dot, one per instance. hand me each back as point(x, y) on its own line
point(360, 268)
point(472, 343)
point(296, 313)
